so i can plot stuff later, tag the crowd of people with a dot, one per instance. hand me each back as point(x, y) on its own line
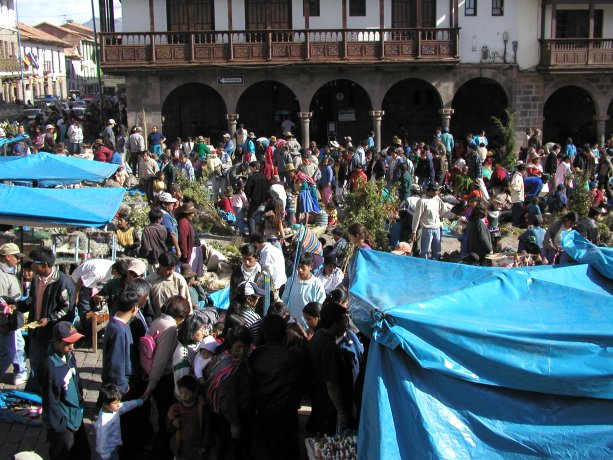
point(182, 379)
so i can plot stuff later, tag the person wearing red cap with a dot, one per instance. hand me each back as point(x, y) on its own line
point(62, 396)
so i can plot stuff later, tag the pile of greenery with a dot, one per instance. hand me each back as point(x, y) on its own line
point(374, 207)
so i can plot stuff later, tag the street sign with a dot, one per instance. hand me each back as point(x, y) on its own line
point(230, 80)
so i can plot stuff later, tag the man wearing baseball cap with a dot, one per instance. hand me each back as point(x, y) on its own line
point(62, 396)
point(12, 345)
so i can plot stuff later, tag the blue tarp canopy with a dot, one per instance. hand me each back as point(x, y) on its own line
point(79, 207)
point(50, 169)
point(473, 362)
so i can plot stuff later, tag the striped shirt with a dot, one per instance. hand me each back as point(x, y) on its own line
point(253, 322)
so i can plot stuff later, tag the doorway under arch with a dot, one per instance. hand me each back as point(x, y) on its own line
point(474, 104)
point(194, 109)
point(411, 111)
point(340, 108)
point(569, 112)
point(263, 106)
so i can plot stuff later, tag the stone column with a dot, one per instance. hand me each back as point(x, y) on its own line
point(19, 93)
point(305, 123)
point(232, 119)
point(601, 124)
point(445, 117)
point(376, 116)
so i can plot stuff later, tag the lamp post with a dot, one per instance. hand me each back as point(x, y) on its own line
point(515, 45)
point(505, 39)
point(97, 54)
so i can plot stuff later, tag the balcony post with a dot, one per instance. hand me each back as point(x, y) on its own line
point(231, 46)
point(382, 40)
point(192, 47)
point(305, 123)
point(344, 44)
point(376, 116)
point(152, 39)
point(269, 41)
point(232, 118)
point(601, 124)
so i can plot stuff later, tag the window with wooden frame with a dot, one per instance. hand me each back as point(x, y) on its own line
point(313, 7)
point(188, 15)
point(497, 7)
point(357, 7)
point(470, 8)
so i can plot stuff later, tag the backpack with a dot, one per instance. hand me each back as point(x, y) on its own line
point(146, 351)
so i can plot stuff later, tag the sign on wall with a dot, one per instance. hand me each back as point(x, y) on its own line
point(230, 80)
point(346, 115)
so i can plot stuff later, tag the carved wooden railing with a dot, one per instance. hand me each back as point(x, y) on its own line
point(278, 46)
point(573, 52)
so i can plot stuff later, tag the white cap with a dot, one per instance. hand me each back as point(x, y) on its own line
point(209, 343)
point(166, 197)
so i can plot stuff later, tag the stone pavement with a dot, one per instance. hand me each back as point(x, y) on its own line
point(17, 437)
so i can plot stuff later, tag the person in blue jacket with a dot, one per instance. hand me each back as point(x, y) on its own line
point(62, 396)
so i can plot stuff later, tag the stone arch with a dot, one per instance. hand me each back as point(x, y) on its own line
point(411, 110)
point(594, 93)
point(475, 102)
point(569, 111)
point(343, 103)
point(264, 105)
point(489, 74)
point(193, 109)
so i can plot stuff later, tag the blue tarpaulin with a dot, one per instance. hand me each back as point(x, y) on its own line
point(50, 169)
point(473, 362)
point(583, 251)
point(221, 298)
point(38, 207)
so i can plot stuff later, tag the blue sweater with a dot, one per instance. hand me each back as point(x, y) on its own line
point(116, 365)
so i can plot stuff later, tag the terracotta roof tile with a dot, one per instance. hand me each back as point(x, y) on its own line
point(29, 33)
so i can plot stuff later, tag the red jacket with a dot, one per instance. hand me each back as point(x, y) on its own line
point(103, 154)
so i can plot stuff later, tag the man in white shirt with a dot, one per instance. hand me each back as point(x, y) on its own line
point(427, 215)
point(302, 289)
point(517, 193)
point(330, 275)
point(271, 259)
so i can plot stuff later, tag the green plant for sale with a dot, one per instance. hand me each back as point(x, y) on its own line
point(374, 207)
point(507, 132)
point(462, 184)
point(580, 199)
point(9, 128)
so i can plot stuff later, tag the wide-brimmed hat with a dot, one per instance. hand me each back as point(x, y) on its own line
point(288, 134)
point(187, 208)
point(98, 142)
point(187, 272)
point(290, 167)
point(251, 135)
point(9, 249)
point(49, 127)
point(396, 141)
point(226, 135)
point(334, 144)
point(166, 197)
point(200, 139)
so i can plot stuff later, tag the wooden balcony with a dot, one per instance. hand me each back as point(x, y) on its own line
point(576, 54)
point(271, 47)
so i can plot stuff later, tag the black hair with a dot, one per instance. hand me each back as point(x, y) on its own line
point(306, 259)
point(249, 250)
point(127, 300)
point(312, 309)
point(155, 214)
point(239, 334)
point(187, 329)
point(43, 255)
point(258, 238)
point(188, 382)
point(232, 321)
point(121, 267)
point(337, 295)
point(109, 393)
point(331, 313)
point(26, 265)
point(168, 259)
point(176, 307)
point(254, 164)
point(278, 308)
point(338, 231)
point(572, 216)
point(274, 329)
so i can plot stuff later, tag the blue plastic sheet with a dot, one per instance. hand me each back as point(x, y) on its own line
point(585, 252)
point(79, 207)
point(221, 298)
point(476, 362)
point(50, 169)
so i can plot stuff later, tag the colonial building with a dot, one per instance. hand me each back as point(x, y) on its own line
point(343, 67)
point(80, 55)
point(9, 54)
point(44, 64)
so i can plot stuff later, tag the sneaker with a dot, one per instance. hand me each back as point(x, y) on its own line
point(20, 379)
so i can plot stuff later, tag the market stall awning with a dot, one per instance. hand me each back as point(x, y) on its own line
point(39, 207)
point(483, 362)
point(50, 169)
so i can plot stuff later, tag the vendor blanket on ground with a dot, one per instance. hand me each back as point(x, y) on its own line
point(474, 362)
